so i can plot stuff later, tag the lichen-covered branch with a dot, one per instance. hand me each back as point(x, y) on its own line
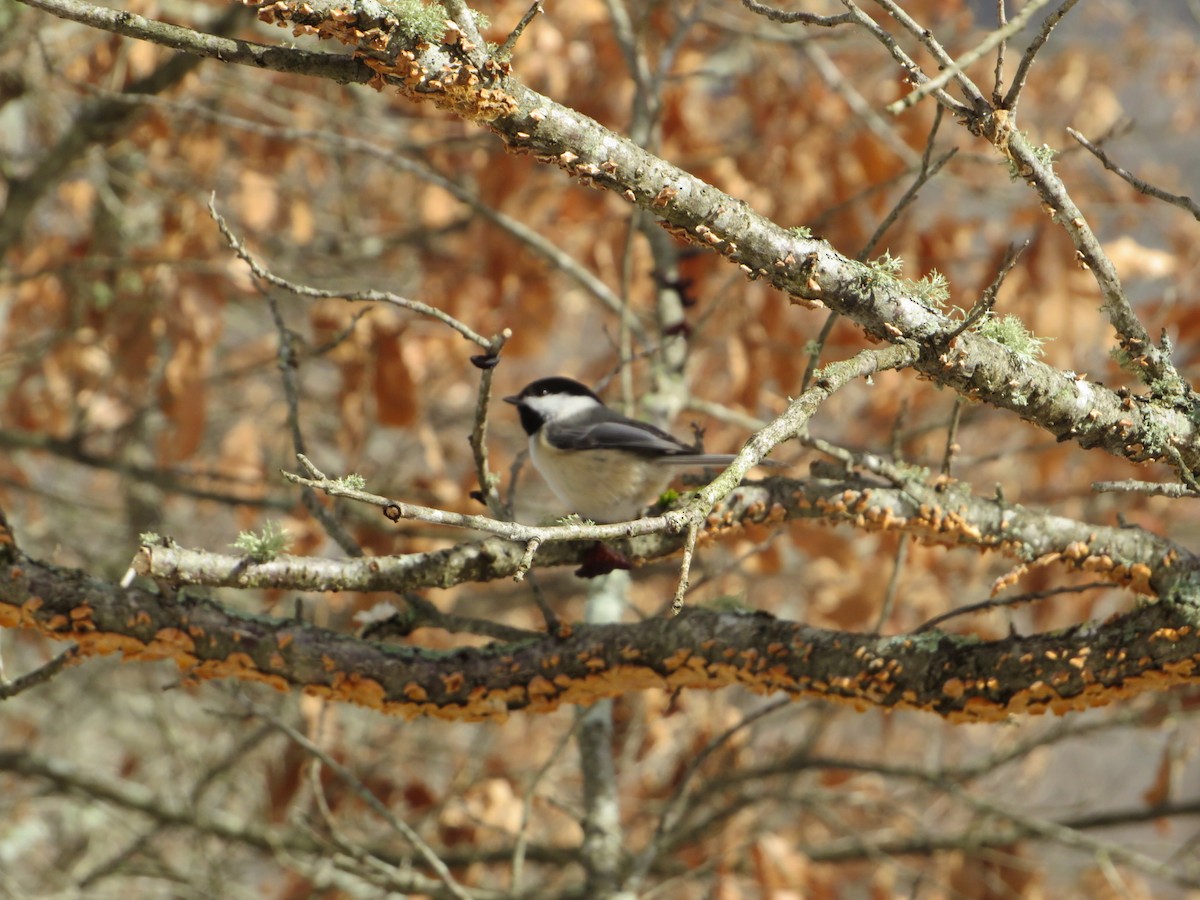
point(961, 678)
point(939, 513)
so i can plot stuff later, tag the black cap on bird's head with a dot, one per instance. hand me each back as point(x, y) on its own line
point(533, 414)
point(556, 384)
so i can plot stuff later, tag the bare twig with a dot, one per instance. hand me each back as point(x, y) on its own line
point(1144, 187)
point(689, 550)
point(288, 363)
point(365, 794)
point(40, 675)
point(531, 547)
point(815, 347)
point(549, 616)
point(955, 69)
point(1014, 93)
point(488, 481)
point(668, 819)
point(522, 841)
point(1151, 488)
point(987, 301)
point(928, 38)
point(893, 585)
point(505, 49)
point(1008, 602)
point(998, 76)
point(911, 69)
point(925, 172)
point(883, 127)
point(788, 17)
point(301, 290)
point(952, 436)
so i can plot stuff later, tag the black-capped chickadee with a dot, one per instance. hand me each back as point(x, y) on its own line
point(602, 465)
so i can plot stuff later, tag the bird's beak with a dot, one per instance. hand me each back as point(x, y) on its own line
point(514, 399)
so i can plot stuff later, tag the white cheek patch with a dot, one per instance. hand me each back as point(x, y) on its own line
point(559, 406)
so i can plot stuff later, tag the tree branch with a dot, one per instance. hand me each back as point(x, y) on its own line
point(961, 678)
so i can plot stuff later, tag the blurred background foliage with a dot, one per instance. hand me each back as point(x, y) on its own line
point(140, 391)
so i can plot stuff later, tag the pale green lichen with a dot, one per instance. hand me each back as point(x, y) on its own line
point(933, 289)
point(350, 482)
point(265, 545)
point(1011, 332)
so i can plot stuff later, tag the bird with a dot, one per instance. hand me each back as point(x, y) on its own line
point(602, 465)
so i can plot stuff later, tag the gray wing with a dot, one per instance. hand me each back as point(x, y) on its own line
point(635, 437)
point(618, 434)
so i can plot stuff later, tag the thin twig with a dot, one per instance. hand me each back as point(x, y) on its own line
point(301, 290)
point(998, 80)
point(987, 301)
point(40, 675)
point(288, 365)
point(893, 585)
point(488, 481)
point(1014, 93)
point(911, 69)
point(543, 605)
point(685, 567)
point(815, 348)
point(531, 547)
point(1181, 467)
point(522, 841)
point(956, 68)
point(505, 49)
point(925, 172)
point(1144, 187)
point(367, 796)
point(645, 860)
point(883, 127)
point(788, 17)
point(927, 38)
point(952, 436)
point(1006, 602)
point(1150, 488)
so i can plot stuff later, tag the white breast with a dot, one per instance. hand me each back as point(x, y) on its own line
point(603, 486)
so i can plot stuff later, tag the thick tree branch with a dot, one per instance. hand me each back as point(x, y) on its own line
point(958, 677)
point(342, 69)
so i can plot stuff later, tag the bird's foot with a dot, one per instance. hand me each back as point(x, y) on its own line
point(601, 559)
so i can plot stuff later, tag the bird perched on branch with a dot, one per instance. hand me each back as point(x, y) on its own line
point(602, 465)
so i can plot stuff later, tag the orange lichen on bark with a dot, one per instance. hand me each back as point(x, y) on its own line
point(102, 643)
point(358, 689)
point(238, 668)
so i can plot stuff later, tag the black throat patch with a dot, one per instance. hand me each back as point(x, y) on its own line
point(531, 420)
